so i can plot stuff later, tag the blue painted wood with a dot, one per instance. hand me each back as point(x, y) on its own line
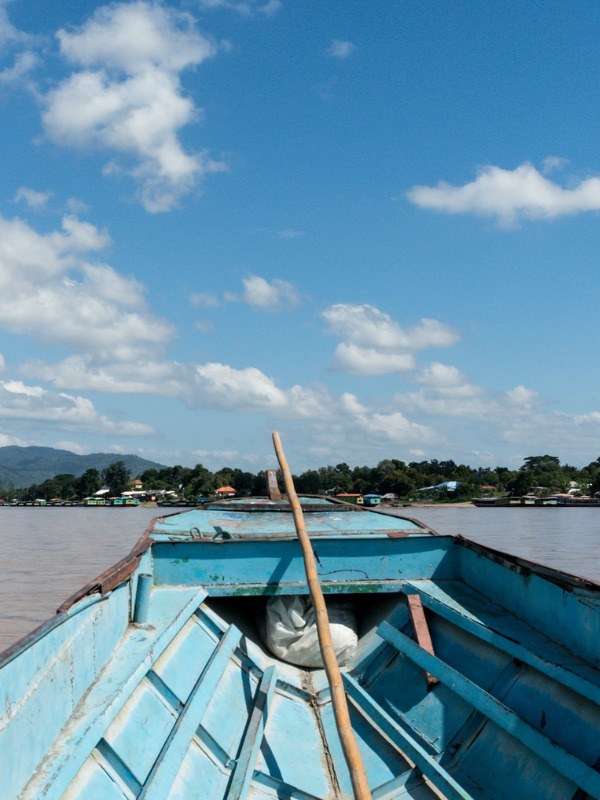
point(575, 616)
point(244, 768)
point(108, 694)
point(565, 763)
point(212, 523)
point(441, 779)
point(162, 709)
point(236, 564)
point(142, 598)
point(41, 687)
point(167, 766)
point(490, 623)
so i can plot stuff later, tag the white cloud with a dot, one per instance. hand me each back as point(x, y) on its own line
point(441, 375)
point(246, 8)
point(53, 293)
point(18, 74)
point(83, 372)
point(204, 300)
point(522, 397)
point(204, 325)
point(374, 344)
point(22, 402)
point(340, 48)
point(395, 427)
point(14, 42)
point(267, 296)
point(127, 98)
point(510, 195)
point(369, 361)
point(32, 198)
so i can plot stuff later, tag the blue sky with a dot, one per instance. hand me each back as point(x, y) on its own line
point(371, 227)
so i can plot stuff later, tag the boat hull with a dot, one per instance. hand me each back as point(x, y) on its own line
point(155, 682)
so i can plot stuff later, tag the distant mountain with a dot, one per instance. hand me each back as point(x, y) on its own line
point(23, 466)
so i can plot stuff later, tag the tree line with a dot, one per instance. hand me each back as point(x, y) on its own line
point(539, 474)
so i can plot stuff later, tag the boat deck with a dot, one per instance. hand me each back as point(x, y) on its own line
point(186, 701)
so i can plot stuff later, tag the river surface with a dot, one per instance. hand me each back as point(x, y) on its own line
point(47, 554)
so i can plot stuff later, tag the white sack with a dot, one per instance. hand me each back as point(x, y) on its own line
point(291, 630)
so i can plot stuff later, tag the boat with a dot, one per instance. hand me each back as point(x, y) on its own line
point(531, 501)
point(527, 501)
point(573, 501)
point(475, 675)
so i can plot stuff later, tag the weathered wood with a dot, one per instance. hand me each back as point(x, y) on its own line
point(352, 754)
point(273, 487)
point(419, 621)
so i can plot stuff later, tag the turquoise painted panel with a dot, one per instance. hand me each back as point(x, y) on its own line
point(381, 760)
point(199, 776)
point(131, 661)
point(41, 687)
point(496, 759)
point(227, 714)
point(93, 783)
point(139, 730)
point(351, 561)
point(209, 523)
point(292, 720)
point(185, 658)
point(575, 617)
point(564, 716)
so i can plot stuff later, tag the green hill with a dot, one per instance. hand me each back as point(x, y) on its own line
point(24, 466)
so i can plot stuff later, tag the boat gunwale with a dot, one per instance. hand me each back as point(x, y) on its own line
point(122, 570)
point(523, 565)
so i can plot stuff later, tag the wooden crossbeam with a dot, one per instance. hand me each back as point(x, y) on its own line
point(244, 768)
point(164, 771)
point(575, 770)
point(419, 621)
point(405, 743)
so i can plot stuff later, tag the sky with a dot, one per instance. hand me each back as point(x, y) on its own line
point(371, 227)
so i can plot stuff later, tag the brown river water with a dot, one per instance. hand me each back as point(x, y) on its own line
point(47, 554)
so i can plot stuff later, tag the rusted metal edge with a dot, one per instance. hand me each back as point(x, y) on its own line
point(108, 580)
point(522, 565)
point(111, 577)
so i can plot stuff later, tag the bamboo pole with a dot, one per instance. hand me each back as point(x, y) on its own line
point(338, 696)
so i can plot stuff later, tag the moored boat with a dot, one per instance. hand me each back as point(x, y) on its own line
point(475, 674)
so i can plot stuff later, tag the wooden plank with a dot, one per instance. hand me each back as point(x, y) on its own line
point(244, 768)
point(408, 746)
point(417, 615)
point(558, 664)
point(570, 766)
point(274, 492)
point(108, 694)
point(164, 771)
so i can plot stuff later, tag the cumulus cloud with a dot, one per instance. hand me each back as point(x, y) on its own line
point(267, 295)
point(221, 386)
point(32, 198)
point(374, 344)
point(52, 292)
point(18, 46)
point(510, 195)
point(126, 97)
point(340, 48)
point(22, 402)
point(246, 8)
point(395, 427)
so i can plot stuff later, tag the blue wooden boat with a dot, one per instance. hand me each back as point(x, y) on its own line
point(476, 675)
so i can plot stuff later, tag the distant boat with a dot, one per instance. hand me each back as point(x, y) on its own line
point(529, 501)
point(476, 674)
